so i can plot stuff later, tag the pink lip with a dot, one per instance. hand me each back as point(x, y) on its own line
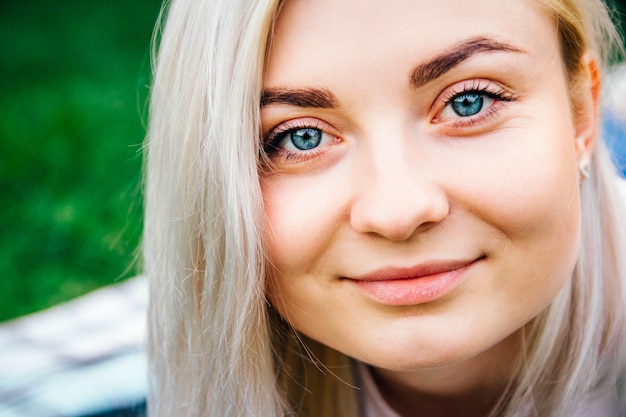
point(410, 286)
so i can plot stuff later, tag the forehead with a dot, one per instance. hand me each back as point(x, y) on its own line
point(319, 34)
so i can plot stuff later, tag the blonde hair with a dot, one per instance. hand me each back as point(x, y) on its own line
point(209, 339)
point(216, 348)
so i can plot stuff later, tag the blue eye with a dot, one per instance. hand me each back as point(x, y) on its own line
point(297, 138)
point(306, 138)
point(467, 104)
point(293, 143)
point(472, 101)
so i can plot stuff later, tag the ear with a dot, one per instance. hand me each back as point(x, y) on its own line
point(586, 106)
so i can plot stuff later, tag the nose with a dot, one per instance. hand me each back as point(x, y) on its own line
point(397, 199)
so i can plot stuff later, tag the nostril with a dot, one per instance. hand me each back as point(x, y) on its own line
point(396, 214)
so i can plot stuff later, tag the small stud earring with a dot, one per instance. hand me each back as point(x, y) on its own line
point(584, 170)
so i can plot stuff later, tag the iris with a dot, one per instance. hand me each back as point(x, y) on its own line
point(467, 104)
point(305, 139)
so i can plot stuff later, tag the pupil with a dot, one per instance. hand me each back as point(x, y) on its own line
point(305, 139)
point(467, 104)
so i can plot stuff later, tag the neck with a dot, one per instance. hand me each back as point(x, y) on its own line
point(470, 388)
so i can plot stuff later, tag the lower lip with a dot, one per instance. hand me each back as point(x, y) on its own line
point(413, 291)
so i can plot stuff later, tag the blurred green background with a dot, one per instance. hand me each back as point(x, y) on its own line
point(74, 80)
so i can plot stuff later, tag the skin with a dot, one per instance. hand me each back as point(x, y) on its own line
point(400, 180)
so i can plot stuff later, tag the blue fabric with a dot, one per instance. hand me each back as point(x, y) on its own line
point(138, 410)
point(84, 358)
point(615, 139)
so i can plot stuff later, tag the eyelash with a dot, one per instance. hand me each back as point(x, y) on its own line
point(478, 87)
point(274, 137)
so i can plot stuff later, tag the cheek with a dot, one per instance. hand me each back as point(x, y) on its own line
point(524, 179)
point(301, 218)
point(531, 197)
point(539, 200)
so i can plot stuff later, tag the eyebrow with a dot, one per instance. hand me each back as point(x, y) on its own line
point(436, 67)
point(300, 97)
point(321, 98)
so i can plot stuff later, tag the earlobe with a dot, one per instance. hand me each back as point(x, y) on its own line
point(585, 90)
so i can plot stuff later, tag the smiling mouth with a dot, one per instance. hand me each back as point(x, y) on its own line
point(416, 285)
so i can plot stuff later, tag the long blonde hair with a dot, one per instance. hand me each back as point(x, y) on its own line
point(216, 348)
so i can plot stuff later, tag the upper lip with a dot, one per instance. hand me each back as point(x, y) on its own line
point(417, 271)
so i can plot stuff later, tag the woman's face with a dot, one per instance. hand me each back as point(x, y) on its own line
point(422, 194)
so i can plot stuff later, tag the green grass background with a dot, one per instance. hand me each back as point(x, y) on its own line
point(74, 77)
